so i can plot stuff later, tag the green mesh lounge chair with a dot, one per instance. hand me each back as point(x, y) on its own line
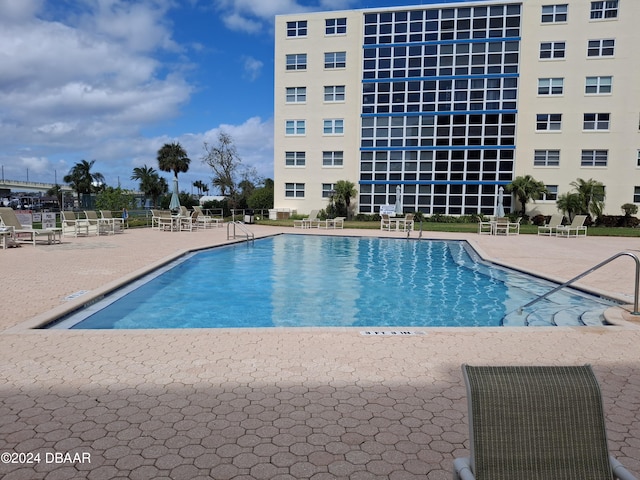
point(536, 423)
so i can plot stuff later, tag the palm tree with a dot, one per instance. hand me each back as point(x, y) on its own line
point(591, 193)
point(82, 180)
point(526, 188)
point(569, 204)
point(343, 192)
point(173, 158)
point(151, 183)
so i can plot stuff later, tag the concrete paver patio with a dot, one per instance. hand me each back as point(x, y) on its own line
point(279, 403)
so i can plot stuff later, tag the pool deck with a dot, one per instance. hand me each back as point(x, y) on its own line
point(275, 403)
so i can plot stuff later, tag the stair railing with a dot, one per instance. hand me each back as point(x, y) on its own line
point(241, 226)
point(587, 272)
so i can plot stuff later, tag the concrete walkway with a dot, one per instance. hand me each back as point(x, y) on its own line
point(279, 403)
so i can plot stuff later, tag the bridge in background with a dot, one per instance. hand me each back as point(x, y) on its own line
point(17, 185)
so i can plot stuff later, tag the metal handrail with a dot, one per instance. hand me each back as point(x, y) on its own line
point(587, 272)
point(248, 233)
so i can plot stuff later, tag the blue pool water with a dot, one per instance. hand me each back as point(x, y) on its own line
point(296, 280)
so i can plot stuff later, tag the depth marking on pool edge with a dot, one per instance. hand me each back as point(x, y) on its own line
point(73, 296)
point(390, 333)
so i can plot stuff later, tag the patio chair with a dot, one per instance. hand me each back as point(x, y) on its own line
point(117, 224)
point(485, 227)
point(407, 223)
point(531, 423)
point(20, 233)
point(576, 229)
point(501, 226)
point(189, 222)
point(385, 222)
point(72, 225)
point(551, 227)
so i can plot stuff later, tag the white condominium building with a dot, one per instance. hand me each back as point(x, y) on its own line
point(447, 102)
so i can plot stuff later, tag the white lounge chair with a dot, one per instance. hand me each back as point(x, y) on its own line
point(311, 221)
point(337, 222)
point(485, 227)
point(20, 233)
point(207, 221)
point(101, 226)
point(385, 222)
point(550, 228)
point(72, 225)
point(576, 229)
point(117, 224)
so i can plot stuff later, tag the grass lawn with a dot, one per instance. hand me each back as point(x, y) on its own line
point(471, 228)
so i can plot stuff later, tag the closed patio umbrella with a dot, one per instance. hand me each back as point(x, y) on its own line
point(175, 200)
point(398, 201)
point(500, 209)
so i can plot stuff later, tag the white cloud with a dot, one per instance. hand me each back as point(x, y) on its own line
point(252, 68)
point(36, 164)
point(235, 21)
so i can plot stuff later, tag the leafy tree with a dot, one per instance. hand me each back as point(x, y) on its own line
point(224, 160)
point(115, 199)
point(526, 188)
point(173, 158)
point(151, 183)
point(83, 180)
point(262, 198)
point(591, 193)
point(340, 199)
point(569, 204)
point(56, 191)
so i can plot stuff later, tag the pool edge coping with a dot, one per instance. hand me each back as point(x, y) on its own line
point(615, 314)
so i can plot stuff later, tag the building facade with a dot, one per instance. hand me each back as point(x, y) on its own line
point(446, 103)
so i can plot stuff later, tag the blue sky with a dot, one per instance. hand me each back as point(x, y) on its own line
point(112, 81)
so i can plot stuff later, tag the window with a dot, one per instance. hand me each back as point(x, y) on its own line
point(295, 127)
point(596, 121)
point(546, 158)
point(294, 190)
point(335, 60)
point(551, 195)
point(638, 161)
point(297, 61)
point(297, 29)
point(636, 194)
point(333, 126)
point(296, 94)
point(548, 121)
point(601, 48)
point(554, 13)
point(334, 93)
point(607, 9)
point(598, 85)
point(550, 86)
point(552, 50)
point(335, 26)
point(332, 159)
point(295, 159)
point(328, 189)
point(594, 158)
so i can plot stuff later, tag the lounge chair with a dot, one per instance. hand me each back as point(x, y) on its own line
point(117, 224)
point(337, 222)
point(311, 221)
point(501, 226)
point(72, 225)
point(100, 225)
point(551, 227)
point(20, 233)
point(576, 229)
point(207, 221)
point(162, 220)
point(532, 422)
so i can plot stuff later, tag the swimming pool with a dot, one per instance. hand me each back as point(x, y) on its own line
point(311, 281)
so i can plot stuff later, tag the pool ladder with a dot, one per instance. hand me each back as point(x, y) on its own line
point(587, 272)
point(241, 226)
